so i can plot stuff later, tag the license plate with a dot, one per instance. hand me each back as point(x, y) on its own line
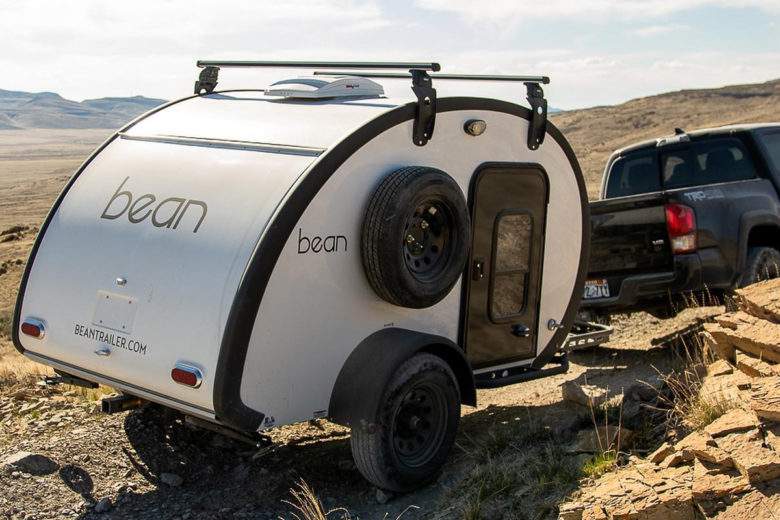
point(596, 289)
point(115, 312)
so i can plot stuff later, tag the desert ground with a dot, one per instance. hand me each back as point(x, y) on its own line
point(149, 464)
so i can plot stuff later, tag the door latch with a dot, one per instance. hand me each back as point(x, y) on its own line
point(520, 330)
point(478, 270)
point(553, 324)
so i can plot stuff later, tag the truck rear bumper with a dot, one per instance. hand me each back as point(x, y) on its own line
point(685, 276)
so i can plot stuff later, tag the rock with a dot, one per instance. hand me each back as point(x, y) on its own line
point(721, 367)
point(754, 367)
point(30, 463)
point(751, 335)
point(571, 511)
point(676, 458)
point(701, 446)
point(765, 398)
point(645, 391)
point(103, 505)
point(756, 462)
point(171, 479)
point(661, 453)
point(721, 346)
point(383, 497)
point(708, 485)
point(736, 420)
point(601, 439)
point(584, 395)
point(755, 505)
point(761, 300)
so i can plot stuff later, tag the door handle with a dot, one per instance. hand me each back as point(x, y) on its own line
point(478, 270)
point(520, 330)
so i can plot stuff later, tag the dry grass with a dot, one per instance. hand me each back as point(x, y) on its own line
point(520, 471)
point(687, 408)
point(307, 506)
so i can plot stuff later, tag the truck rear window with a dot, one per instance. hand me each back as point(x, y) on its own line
point(633, 174)
point(772, 144)
point(709, 161)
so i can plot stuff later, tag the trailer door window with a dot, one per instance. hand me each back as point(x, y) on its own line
point(512, 258)
point(632, 174)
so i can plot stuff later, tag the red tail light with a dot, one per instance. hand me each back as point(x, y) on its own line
point(681, 225)
point(187, 375)
point(33, 328)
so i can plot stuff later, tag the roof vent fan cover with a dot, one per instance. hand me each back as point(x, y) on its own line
point(323, 87)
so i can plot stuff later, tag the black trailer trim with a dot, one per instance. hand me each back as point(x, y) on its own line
point(228, 405)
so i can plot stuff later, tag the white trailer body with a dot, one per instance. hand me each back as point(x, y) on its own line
point(223, 234)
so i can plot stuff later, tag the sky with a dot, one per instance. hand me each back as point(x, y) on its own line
point(596, 51)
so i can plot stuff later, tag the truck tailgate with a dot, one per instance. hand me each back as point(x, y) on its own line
point(628, 235)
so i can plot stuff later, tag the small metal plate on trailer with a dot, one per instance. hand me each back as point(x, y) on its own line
point(596, 289)
point(115, 311)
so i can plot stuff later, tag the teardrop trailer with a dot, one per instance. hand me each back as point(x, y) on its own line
point(316, 250)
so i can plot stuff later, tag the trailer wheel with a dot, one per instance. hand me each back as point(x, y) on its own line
point(415, 237)
point(415, 426)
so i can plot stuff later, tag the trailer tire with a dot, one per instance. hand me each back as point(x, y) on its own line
point(415, 237)
point(417, 419)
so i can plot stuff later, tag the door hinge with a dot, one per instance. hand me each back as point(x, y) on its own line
point(537, 128)
point(425, 117)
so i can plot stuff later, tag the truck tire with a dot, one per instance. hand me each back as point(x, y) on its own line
point(415, 237)
point(413, 432)
point(763, 263)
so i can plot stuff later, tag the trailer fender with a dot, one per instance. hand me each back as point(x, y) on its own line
point(361, 382)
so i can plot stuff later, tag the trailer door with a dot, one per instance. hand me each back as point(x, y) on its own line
point(509, 204)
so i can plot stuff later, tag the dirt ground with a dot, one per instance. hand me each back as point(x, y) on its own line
point(125, 461)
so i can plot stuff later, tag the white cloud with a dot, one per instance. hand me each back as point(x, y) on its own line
point(655, 30)
point(93, 48)
point(514, 11)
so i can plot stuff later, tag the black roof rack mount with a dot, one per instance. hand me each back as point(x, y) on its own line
point(422, 86)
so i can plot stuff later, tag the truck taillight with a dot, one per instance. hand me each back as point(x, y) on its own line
point(681, 225)
point(34, 328)
point(187, 375)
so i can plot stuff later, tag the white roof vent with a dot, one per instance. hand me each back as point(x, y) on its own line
point(320, 87)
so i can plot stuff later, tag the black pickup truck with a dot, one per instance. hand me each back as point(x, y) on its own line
point(697, 213)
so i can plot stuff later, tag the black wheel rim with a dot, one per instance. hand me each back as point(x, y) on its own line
point(420, 425)
point(427, 239)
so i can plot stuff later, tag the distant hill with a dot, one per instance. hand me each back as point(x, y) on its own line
point(596, 132)
point(50, 110)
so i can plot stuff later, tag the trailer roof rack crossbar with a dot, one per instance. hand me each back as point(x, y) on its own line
point(207, 81)
point(422, 86)
point(463, 77)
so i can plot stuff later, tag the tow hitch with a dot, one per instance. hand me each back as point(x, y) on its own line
point(120, 403)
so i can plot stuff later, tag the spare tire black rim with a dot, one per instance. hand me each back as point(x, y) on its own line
point(427, 237)
point(420, 425)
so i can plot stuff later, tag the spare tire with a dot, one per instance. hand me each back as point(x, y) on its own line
point(415, 238)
